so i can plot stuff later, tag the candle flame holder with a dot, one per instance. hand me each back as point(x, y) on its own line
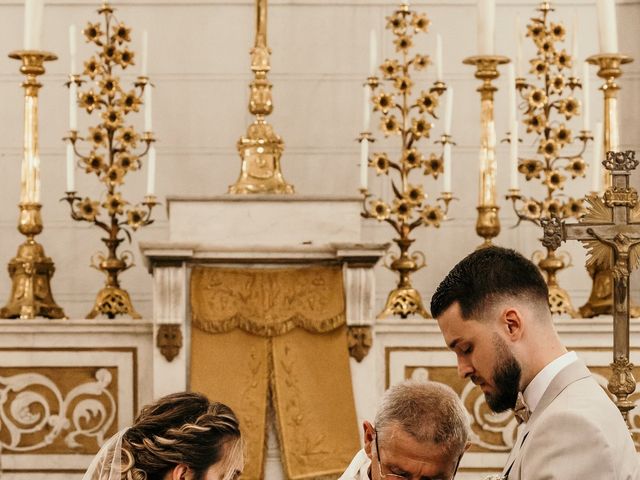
point(31, 270)
point(113, 153)
point(547, 102)
point(409, 208)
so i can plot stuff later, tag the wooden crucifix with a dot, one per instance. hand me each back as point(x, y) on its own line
point(611, 231)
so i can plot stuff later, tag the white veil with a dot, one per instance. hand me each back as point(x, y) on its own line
point(106, 465)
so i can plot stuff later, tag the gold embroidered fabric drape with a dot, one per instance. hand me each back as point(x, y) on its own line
point(279, 333)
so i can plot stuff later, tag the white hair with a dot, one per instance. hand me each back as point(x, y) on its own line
point(430, 412)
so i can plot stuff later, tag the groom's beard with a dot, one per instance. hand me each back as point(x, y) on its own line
point(506, 378)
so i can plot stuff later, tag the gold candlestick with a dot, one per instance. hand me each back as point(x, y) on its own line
point(609, 69)
point(261, 148)
point(409, 118)
point(31, 270)
point(488, 222)
point(548, 102)
point(114, 149)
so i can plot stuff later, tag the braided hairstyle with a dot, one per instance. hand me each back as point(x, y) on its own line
point(182, 428)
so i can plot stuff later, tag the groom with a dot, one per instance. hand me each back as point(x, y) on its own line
point(492, 309)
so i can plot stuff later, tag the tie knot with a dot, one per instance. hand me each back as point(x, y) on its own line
point(521, 410)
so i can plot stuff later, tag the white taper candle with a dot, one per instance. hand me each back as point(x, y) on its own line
point(366, 110)
point(511, 89)
point(513, 155)
point(596, 162)
point(73, 106)
point(519, 59)
point(448, 111)
point(373, 52)
point(73, 50)
point(71, 177)
point(364, 163)
point(151, 178)
point(607, 26)
point(439, 75)
point(586, 117)
point(447, 168)
point(486, 26)
point(148, 123)
point(145, 54)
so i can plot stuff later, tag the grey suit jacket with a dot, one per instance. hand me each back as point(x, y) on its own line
point(575, 433)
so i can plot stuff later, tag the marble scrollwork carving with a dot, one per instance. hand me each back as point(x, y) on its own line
point(36, 412)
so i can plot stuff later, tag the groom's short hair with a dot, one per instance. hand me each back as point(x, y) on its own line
point(430, 412)
point(486, 276)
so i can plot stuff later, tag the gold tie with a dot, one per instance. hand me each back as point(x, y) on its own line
point(521, 410)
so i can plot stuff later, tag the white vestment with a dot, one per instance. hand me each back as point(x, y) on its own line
point(358, 469)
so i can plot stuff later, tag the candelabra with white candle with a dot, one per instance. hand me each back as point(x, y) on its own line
point(486, 64)
point(111, 149)
point(408, 117)
point(549, 105)
point(31, 270)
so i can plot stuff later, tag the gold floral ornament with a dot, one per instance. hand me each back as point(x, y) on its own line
point(420, 128)
point(432, 216)
point(405, 114)
point(130, 102)
point(88, 209)
point(531, 168)
point(114, 204)
point(577, 167)
point(434, 165)
point(136, 218)
point(380, 210)
point(113, 150)
point(383, 102)
point(381, 162)
point(548, 104)
point(574, 208)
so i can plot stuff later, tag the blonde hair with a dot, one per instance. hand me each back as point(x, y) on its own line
point(183, 428)
point(430, 412)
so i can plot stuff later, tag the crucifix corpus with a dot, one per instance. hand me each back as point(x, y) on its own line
point(610, 230)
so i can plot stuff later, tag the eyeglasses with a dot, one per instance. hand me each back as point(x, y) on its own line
point(395, 476)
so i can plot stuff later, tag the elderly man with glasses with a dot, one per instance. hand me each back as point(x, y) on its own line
point(421, 431)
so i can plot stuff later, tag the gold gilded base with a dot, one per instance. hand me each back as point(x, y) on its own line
point(488, 224)
point(112, 301)
point(31, 271)
point(404, 301)
point(560, 302)
point(601, 297)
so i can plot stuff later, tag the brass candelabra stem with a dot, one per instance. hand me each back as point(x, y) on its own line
point(31, 270)
point(488, 222)
point(408, 118)
point(112, 153)
point(261, 148)
point(609, 65)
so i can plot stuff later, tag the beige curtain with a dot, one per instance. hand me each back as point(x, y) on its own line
point(279, 335)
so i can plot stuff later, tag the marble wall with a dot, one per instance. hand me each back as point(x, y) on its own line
point(199, 63)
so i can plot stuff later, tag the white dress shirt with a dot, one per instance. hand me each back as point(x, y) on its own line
point(536, 388)
point(359, 467)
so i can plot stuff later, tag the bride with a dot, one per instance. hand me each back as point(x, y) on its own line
point(182, 436)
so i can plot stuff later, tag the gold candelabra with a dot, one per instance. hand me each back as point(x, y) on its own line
point(409, 209)
point(609, 69)
point(548, 103)
point(113, 152)
point(488, 222)
point(261, 148)
point(31, 270)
